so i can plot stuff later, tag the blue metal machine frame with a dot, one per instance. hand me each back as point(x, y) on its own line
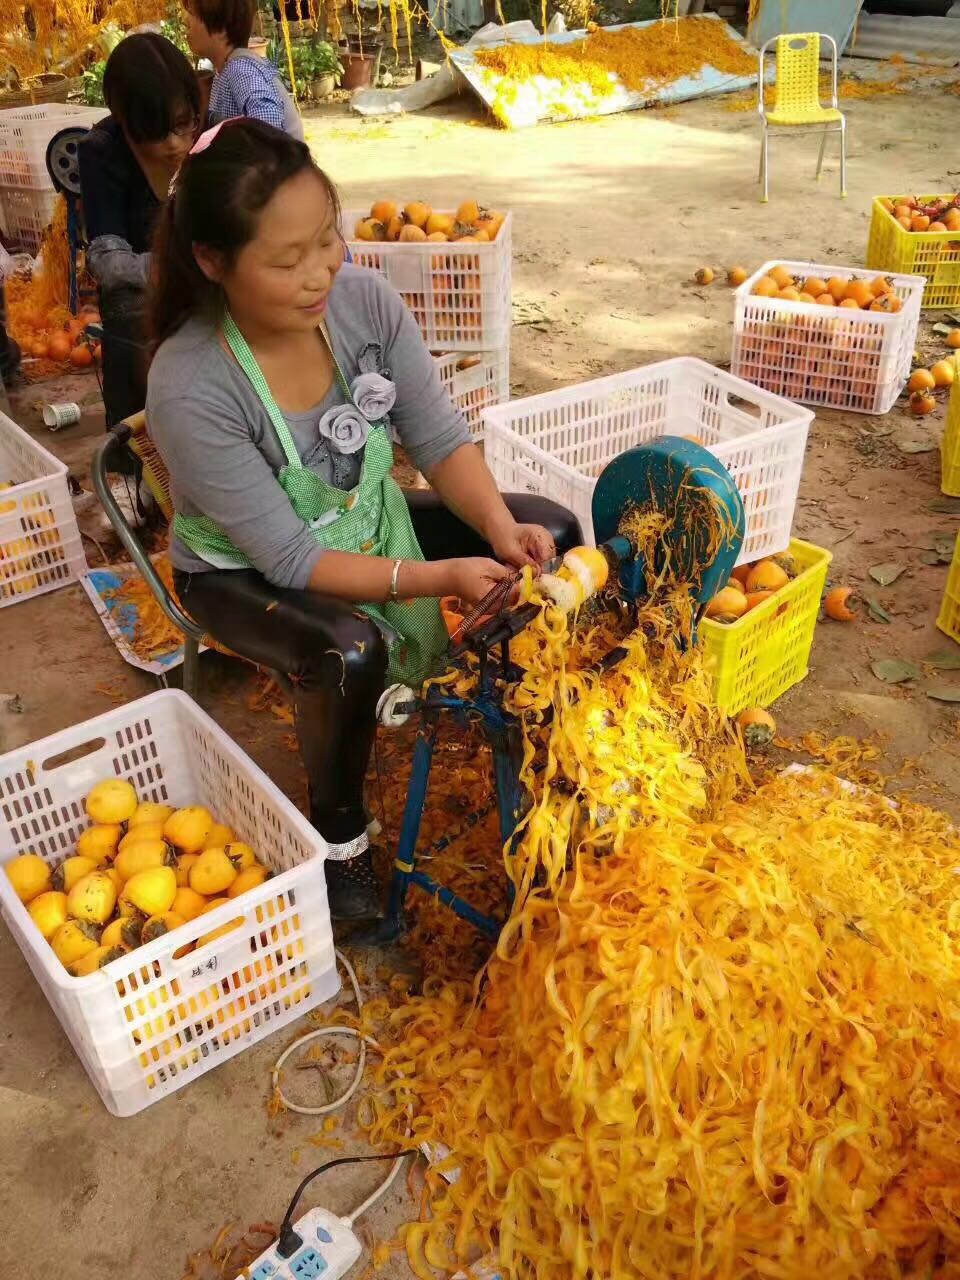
point(484, 709)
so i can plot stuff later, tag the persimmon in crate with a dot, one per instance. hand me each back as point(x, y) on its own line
point(831, 336)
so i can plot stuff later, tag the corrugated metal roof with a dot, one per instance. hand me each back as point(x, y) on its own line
point(934, 41)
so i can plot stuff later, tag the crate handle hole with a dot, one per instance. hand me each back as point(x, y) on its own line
point(798, 43)
point(749, 407)
point(73, 754)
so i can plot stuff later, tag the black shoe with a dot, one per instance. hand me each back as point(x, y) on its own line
point(352, 888)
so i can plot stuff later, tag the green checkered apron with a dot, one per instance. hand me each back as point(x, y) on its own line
point(372, 519)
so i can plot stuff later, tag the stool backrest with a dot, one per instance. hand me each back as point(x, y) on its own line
point(154, 469)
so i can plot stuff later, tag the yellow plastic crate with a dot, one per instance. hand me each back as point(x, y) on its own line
point(948, 619)
point(766, 652)
point(933, 254)
point(950, 442)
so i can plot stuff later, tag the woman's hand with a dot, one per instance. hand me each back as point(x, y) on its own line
point(520, 544)
point(472, 577)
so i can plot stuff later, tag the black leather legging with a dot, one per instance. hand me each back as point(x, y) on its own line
point(334, 655)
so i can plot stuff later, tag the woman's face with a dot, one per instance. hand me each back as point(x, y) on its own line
point(172, 150)
point(282, 279)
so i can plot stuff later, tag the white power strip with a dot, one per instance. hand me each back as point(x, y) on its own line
point(329, 1249)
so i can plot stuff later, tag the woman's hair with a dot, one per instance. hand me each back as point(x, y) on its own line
point(219, 195)
point(150, 87)
point(233, 17)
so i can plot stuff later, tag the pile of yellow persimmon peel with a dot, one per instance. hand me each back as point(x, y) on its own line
point(720, 1033)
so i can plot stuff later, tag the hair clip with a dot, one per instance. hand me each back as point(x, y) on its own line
point(207, 137)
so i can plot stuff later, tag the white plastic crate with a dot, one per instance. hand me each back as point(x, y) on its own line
point(151, 1022)
point(475, 382)
point(25, 133)
point(459, 292)
point(24, 216)
point(836, 357)
point(556, 444)
point(40, 547)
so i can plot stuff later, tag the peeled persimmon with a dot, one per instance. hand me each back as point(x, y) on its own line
point(412, 233)
point(840, 604)
point(921, 380)
point(437, 237)
point(370, 229)
point(815, 286)
point(383, 211)
point(825, 300)
point(469, 211)
point(39, 349)
point(837, 288)
point(703, 275)
point(444, 222)
point(394, 226)
point(757, 597)
point(860, 292)
point(881, 284)
point(938, 226)
point(81, 357)
point(727, 605)
point(922, 403)
point(943, 373)
point(757, 726)
point(850, 303)
point(905, 222)
point(953, 339)
point(782, 277)
point(789, 294)
point(60, 346)
point(417, 213)
point(766, 575)
point(919, 222)
point(736, 276)
point(766, 287)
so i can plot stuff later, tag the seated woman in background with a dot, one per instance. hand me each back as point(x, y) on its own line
point(280, 374)
point(127, 162)
point(244, 84)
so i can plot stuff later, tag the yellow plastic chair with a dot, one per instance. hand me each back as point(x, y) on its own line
point(797, 107)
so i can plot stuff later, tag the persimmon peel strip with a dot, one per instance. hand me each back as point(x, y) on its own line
point(720, 1033)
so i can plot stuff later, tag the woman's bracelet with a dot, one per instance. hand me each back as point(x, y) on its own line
point(394, 594)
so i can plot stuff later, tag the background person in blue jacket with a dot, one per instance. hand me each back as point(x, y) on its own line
point(244, 84)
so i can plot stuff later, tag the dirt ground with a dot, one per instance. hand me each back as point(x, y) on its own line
point(612, 218)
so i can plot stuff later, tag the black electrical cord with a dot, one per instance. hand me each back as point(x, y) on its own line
point(288, 1240)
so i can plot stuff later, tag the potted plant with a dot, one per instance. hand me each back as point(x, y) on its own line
point(327, 70)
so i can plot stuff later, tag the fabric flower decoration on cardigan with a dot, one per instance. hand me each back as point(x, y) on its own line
point(345, 428)
point(374, 395)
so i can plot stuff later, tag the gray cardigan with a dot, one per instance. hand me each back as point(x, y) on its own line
point(222, 451)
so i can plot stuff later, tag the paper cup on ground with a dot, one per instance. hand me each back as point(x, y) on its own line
point(56, 416)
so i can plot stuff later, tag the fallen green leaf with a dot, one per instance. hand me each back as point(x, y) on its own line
point(876, 611)
point(930, 557)
point(886, 573)
point(916, 446)
point(944, 544)
point(943, 692)
point(944, 659)
point(894, 670)
point(943, 330)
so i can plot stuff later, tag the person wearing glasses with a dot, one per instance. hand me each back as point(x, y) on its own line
point(127, 164)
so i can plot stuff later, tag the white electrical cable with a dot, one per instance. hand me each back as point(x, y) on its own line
point(345, 1097)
